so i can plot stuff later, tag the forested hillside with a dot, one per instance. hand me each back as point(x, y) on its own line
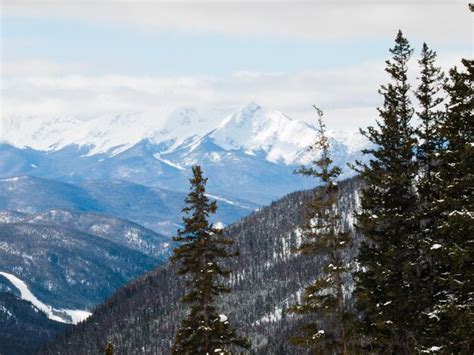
point(266, 279)
point(66, 267)
point(23, 327)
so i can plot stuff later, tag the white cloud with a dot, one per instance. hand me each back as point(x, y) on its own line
point(348, 96)
point(89, 96)
point(430, 20)
point(38, 67)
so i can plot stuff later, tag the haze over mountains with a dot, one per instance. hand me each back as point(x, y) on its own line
point(255, 144)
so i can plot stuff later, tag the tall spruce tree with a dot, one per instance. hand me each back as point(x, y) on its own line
point(322, 237)
point(452, 246)
point(204, 330)
point(387, 217)
point(430, 96)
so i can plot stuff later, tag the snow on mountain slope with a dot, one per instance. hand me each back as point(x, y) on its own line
point(111, 133)
point(101, 134)
point(7, 216)
point(117, 230)
point(254, 128)
point(42, 133)
point(250, 154)
point(73, 316)
point(251, 128)
point(186, 124)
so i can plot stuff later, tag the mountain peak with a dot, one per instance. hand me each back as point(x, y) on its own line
point(253, 128)
point(250, 108)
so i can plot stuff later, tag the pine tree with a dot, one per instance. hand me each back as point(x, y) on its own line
point(431, 116)
point(204, 330)
point(452, 247)
point(430, 142)
point(323, 237)
point(387, 218)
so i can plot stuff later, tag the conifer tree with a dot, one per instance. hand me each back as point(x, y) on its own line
point(430, 142)
point(199, 255)
point(452, 246)
point(431, 116)
point(322, 236)
point(387, 217)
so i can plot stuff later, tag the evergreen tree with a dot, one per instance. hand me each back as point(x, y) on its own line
point(204, 330)
point(429, 97)
point(384, 282)
point(430, 142)
point(322, 236)
point(452, 246)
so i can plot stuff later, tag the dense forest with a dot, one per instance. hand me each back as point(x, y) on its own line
point(22, 327)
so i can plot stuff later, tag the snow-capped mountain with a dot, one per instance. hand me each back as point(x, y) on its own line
point(112, 133)
point(252, 128)
point(255, 129)
point(250, 153)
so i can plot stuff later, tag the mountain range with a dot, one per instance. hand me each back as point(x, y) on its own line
point(249, 154)
point(155, 208)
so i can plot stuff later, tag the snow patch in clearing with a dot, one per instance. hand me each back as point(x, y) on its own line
point(73, 316)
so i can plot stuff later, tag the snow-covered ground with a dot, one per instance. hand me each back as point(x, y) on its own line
point(73, 316)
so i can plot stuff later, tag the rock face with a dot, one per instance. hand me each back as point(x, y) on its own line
point(266, 279)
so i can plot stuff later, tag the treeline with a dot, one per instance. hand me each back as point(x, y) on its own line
point(413, 276)
point(414, 283)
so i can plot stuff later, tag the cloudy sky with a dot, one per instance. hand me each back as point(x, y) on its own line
point(87, 58)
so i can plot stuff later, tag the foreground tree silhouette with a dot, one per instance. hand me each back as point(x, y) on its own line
point(430, 96)
point(322, 236)
point(452, 247)
point(386, 280)
point(204, 330)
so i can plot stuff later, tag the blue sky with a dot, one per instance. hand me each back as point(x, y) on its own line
point(115, 49)
point(89, 57)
